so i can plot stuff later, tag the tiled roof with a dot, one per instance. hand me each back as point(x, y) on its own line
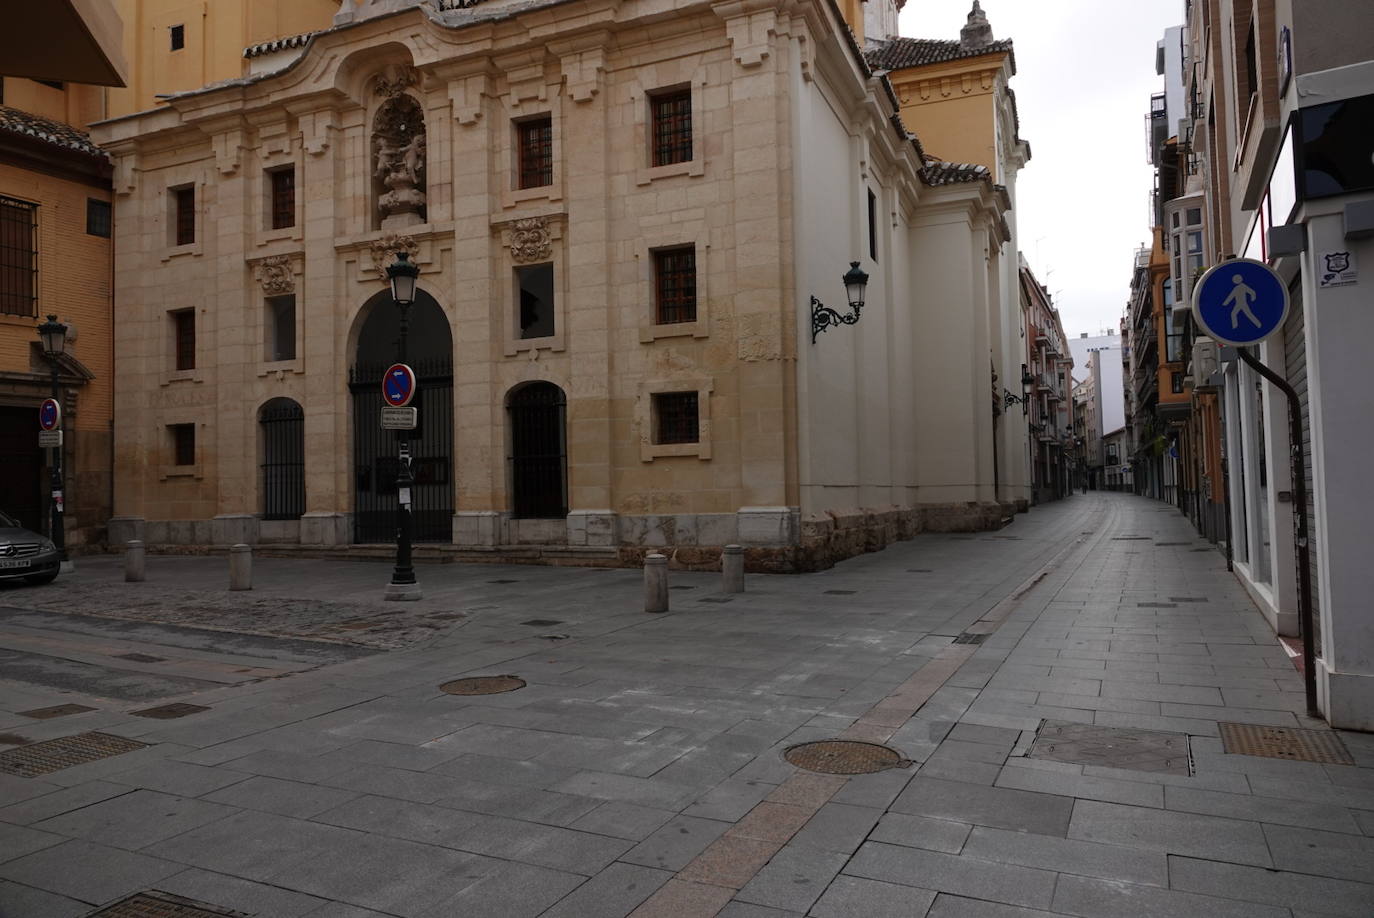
point(277, 44)
point(899, 53)
point(941, 173)
point(45, 129)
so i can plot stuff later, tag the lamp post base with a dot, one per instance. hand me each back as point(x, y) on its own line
point(403, 592)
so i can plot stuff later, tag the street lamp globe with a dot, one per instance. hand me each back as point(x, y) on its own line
point(855, 283)
point(403, 273)
point(53, 334)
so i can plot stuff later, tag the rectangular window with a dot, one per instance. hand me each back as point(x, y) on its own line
point(98, 220)
point(283, 197)
point(534, 149)
point(184, 212)
point(184, 336)
point(872, 225)
point(675, 418)
point(178, 36)
point(281, 327)
point(534, 285)
point(1176, 383)
point(183, 443)
point(675, 273)
point(18, 257)
point(670, 114)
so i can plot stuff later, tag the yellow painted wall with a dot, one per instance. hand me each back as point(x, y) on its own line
point(952, 108)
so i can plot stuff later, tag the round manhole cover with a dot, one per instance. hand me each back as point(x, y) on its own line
point(844, 757)
point(483, 685)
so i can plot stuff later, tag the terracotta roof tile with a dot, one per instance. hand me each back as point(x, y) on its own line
point(277, 44)
point(52, 132)
point(899, 53)
point(942, 173)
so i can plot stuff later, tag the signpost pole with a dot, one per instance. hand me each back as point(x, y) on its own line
point(403, 584)
point(59, 527)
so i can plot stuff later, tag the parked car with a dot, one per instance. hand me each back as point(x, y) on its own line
point(25, 554)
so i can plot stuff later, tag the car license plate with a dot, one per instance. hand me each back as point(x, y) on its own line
point(13, 562)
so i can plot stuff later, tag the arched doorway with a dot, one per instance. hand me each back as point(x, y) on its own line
point(375, 464)
point(538, 415)
point(281, 424)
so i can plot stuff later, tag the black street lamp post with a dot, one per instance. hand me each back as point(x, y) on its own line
point(53, 334)
point(402, 274)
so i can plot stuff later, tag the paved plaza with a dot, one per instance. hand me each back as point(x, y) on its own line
point(640, 770)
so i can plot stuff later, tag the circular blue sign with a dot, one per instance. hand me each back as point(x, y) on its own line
point(49, 414)
point(398, 385)
point(1240, 302)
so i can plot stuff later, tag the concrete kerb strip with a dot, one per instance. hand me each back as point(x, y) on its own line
point(707, 884)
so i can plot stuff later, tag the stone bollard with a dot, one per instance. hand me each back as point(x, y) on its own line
point(240, 567)
point(655, 583)
point(135, 561)
point(732, 569)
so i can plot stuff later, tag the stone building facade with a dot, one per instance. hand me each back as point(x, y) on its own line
point(624, 215)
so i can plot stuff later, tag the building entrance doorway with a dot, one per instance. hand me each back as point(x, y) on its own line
point(21, 467)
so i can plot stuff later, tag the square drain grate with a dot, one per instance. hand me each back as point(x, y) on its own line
point(1293, 743)
point(1112, 747)
point(64, 752)
point(170, 711)
point(156, 904)
point(57, 710)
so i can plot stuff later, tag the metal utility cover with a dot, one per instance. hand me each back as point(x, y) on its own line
point(64, 752)
point(844, 757)
point(156, 904)
point(170, 711)
point(1293, 743)
point(483, 685)
point(57, 710)
point(1112, 747)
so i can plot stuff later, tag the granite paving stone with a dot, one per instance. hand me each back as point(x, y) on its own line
point(136, 820)
point(794, 879)
point(1330, 854)
point(617, 890)
point(1278, 888)
point(61, 801)
point(948, 906)
point(275, 795)
point(1066, 855)
point(847, 897)
point(104, 873)
point(676, 843)
point(27, 902)
point(1092, 898)
point(240, 895)
point(1261, 809)
point(966, 876)
point(1084, 787)
point(17, 841)
point(1168, 831)
point(1007, 808)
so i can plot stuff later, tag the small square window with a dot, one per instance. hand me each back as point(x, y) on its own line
point(178, 36)
point(283, 182)
point(98, 219)
point(183, 443)
point(675, 282)
point(281, 327)
point(534, 286)
point(676, 418)
point(184, 214)
point(184, 338)
point(534, 149)
point(670, 115)
point(1194, 216)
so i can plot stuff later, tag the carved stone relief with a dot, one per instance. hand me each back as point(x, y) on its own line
point(277, 276)
point(530, 240)
point(384, 249)
point(398, 152)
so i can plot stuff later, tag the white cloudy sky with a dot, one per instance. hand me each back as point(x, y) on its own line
point(1084, 75)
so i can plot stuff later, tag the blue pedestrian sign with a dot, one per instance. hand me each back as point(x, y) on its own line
point(49, 414)
point(1240, 302)
point(398, 385)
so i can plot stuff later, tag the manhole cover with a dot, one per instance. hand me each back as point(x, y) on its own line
point(966, 638)
point(1292, 743)
point(170, 711)
point(1112, 747)
point(140, 658)
point(157, 904)
point(542, 622)
point(56, 754)
point(844, 757)
point(57, 710)
point(840, 592)
point(483, 685)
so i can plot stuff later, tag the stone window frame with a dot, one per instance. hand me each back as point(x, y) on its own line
point(180, 180)
point(703, 386)
point(261, 216)
point(512, 195)
point(644, 85)
point(506, 282)
point(680, 236)
point(170, 469)
point(257, 310)
point(172, 374)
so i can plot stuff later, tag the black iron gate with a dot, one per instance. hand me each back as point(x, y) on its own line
point(283, 459)
point(375, 463)
point(538, 458)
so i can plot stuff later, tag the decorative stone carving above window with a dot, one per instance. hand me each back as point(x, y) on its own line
point(277, 275)
point(394, 80)
point(530, 240)
point(384, 249)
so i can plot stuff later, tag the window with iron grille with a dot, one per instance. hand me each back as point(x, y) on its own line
point(18, 257)
point(534, 141)
point(283, 197)
point(183, 443)
point(184, 214)
point(675, 281)
point(675, 417)
point(670, 114)
point(184, 338)
point(98, 219)
point(282, 425)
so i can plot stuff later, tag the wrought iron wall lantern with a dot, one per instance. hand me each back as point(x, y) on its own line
point(824, 318)
point(1010, 398)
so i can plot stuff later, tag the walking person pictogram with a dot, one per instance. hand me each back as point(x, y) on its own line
point(1242, 295)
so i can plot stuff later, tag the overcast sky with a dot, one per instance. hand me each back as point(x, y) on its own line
point(1084, 75)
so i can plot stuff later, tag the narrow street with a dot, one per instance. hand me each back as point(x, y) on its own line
point(640, 770)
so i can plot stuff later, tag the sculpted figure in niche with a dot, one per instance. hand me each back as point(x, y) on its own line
point(398, 145)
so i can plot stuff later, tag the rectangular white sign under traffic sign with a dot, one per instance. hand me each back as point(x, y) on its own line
point(49, 438)
point(399, 418)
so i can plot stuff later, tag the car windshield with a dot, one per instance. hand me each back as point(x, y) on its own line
point(8, 521)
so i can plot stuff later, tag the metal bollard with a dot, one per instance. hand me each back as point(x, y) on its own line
point(655, 583)
point(732, 569)
point(135, 561)
point(240, 567)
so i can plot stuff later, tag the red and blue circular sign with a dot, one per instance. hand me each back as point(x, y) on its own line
point(398, 386)
point(49, 414)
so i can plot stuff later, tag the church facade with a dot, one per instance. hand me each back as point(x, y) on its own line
point(630, 219)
